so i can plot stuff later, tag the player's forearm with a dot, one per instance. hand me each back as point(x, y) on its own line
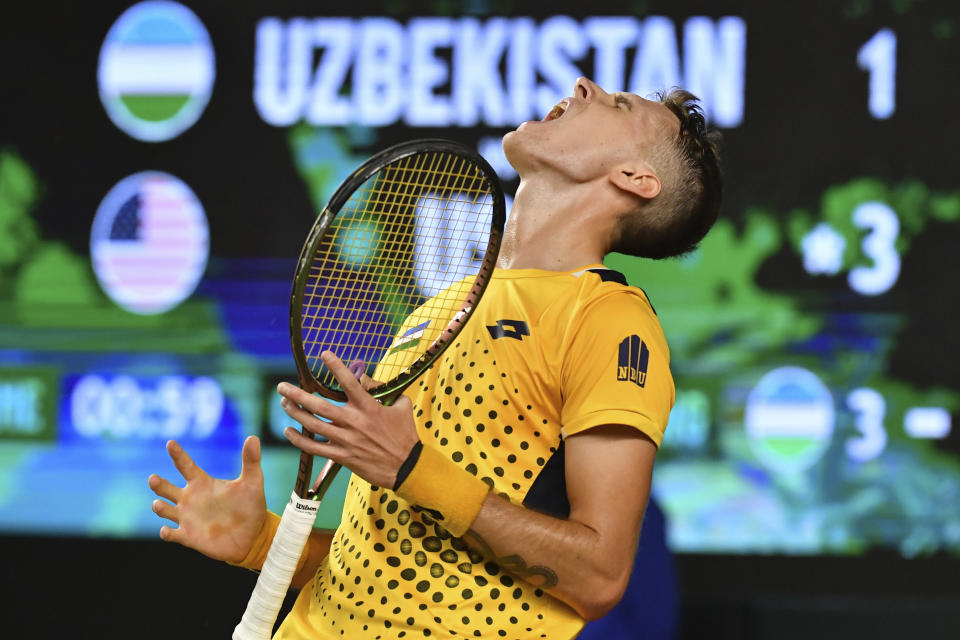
point(573, 562)
point(584, 560)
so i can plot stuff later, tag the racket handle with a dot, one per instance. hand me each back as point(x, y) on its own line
point(278, 569)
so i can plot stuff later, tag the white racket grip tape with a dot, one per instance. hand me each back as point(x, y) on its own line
point(278, 569)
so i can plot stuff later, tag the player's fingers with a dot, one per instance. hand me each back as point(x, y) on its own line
point(327, 449)
point(315, 406)
point(164, 488)
point(309, 421)
point(169, 534)
point(351, 386)
point(369, 383)
point(403, 403)
point(183, 462)
point(250, 458)
point(301, 406)
point(166, 510)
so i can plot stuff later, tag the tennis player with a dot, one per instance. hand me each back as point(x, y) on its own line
point(502, 495)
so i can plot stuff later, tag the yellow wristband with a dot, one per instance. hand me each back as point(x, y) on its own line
point(261, 545)
point(438, 483)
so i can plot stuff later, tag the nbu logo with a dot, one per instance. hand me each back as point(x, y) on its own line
point(156, 70)
point(451, 239)
point(632, 359)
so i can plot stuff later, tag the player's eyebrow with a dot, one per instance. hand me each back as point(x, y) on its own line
point(619, 98)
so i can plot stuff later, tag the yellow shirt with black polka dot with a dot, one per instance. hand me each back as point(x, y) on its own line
point(546, 355)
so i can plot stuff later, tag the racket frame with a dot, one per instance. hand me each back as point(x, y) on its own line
point(391, 390)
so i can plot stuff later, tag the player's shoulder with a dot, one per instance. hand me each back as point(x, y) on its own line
point(609, 311)
point(605, 290)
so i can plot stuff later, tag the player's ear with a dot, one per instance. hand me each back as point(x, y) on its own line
point(637, 178)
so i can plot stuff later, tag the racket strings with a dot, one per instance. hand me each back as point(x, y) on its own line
point(416, 229)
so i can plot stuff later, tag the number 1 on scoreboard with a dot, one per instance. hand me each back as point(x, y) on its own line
point(878, 57)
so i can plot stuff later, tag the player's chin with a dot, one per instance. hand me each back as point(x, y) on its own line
point(526, 127)
point(515, 148)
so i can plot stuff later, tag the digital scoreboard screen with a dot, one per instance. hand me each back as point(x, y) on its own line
point(161, 162)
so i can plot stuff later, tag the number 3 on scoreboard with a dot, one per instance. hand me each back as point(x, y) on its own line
point(879, 245)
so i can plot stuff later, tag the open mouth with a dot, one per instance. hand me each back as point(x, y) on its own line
point(557, 111)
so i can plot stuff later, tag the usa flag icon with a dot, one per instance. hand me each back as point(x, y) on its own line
point(149, 243)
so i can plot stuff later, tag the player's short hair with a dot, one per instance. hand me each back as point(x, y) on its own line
point(691, 187)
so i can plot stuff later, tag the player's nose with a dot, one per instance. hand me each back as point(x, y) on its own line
point(586, 89)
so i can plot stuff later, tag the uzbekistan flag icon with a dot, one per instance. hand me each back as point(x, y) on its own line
point(156, 70)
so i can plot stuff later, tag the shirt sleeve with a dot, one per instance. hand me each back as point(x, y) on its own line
point(616, 368)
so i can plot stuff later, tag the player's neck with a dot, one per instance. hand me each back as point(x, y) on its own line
point(555, 227)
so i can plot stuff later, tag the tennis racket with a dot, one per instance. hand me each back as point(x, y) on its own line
point(390, 272)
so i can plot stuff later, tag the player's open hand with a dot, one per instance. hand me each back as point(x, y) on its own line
point(363, 435)
point(219, 518)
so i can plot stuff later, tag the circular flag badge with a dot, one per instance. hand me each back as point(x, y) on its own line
point(789, 419)
point(156, 70)
point(149, 243)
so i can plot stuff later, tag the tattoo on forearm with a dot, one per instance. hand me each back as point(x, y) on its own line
point(537, 575)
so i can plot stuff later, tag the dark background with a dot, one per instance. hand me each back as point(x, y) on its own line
point(808, 129)
point(82, 588)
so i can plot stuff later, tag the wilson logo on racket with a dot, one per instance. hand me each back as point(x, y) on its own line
point(632, 360)
point(309, 508)
point(410, 338)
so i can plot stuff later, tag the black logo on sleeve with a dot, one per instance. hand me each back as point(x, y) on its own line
point(515, 329)
point(632, 360)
